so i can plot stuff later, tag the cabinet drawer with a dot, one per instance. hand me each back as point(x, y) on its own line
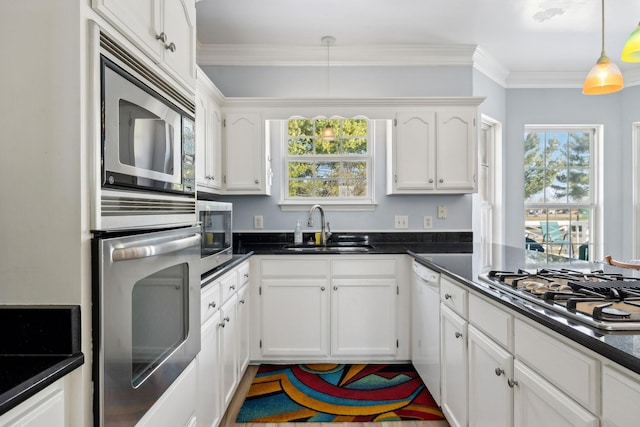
point(229, 284)
point(363, 267)
point(298, 268)
point(243, 274)
point(569, 369)
point(453, 296)
point(210, 301)
point(492, 320)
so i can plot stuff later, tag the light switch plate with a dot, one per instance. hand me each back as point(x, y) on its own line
point(428, 221)
point(442, 211)
point(258, 222)
point(402, 221)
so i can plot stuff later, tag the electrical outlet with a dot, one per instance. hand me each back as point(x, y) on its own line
point(428, 223)
point(402, 221)
point(442, 211)
point(258, 222)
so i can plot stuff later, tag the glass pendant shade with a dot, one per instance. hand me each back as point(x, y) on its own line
point(605, 77)
point(328, 134)
point(631, 50)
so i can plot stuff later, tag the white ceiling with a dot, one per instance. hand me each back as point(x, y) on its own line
point(516, 37)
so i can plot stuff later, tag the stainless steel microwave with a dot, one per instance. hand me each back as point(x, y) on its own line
point(216, 245)
point(146, 175)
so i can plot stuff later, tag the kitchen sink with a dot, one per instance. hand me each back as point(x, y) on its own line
point(329, 249)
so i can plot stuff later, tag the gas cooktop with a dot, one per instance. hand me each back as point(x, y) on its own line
point(608, 301)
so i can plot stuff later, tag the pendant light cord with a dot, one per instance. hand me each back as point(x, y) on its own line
point(602, 27)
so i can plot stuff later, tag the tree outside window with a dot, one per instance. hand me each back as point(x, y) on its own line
point(558, 171)
point(328, 169)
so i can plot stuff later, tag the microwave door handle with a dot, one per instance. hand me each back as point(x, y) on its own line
point(145, 251)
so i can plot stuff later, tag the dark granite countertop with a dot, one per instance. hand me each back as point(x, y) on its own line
point(40, 344)
point(621, 347)
point(236, 259)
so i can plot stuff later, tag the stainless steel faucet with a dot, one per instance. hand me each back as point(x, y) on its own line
point(325, 229)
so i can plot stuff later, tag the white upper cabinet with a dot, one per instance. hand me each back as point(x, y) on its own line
point(163, 29)
point(433, 150)
point(208, 136)
point(247, 159)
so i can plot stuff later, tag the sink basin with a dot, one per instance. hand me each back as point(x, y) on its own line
point(329, 249)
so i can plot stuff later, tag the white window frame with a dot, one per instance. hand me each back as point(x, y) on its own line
point(330, 203)
point(596, 164)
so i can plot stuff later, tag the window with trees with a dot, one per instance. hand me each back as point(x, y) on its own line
point(330, 170)
point(559, 190)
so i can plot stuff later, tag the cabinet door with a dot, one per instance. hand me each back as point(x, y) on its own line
point(456, 150)
point(620, 397)
point(202, 130)
point(413, 153)
point(363, 317)
point(44, 409)
point(454, 378)
point(179, 19)
point(209, 397)
point(538, 403)
point(295, 317)
point(229, 345)
point(490, 367)
point(214, 146)
point(140, 21)
point(244, 158)
point(243, 329)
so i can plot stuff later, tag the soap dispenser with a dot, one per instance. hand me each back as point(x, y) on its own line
point(297, 234)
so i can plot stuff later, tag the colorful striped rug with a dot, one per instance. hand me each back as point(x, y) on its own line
point(337, 393)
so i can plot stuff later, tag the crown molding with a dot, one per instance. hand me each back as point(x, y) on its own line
point(301, 56)
point(431, 55)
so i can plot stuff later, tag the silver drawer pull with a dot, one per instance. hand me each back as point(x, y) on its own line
point(232, 287)
point(448, 296)
point(212, 304)
point(322, 288)
point(512, 383)
point(499, 371)
point(171, 46)
point(458, 335)
point(241, 301)
point(162, 37)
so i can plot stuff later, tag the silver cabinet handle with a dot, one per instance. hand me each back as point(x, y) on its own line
point(335, 288)
point(171, 46)
point(441, 180)
point(246, 275)
point(232, 287)
point(458, 334)
point(499, 371)
point(241, 301)
point(227, 319)
point(322, 288)
point(430, 180)
point(512, 383)
point(448, 296)
point(146, 251)
point(256, 181)
point(212, 304)
point(162, 37)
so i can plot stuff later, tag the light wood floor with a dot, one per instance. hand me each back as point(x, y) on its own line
point(236, 403)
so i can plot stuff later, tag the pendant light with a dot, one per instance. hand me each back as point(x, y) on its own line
point(631, 50)
point(605, 77)
point(328, 133)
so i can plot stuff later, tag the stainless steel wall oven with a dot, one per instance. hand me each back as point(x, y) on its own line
point(146, 294)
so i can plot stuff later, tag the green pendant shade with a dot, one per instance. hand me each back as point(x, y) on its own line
point(631, 50)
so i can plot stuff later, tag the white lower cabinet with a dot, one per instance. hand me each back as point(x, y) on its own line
point(177, 406)
point(44, 409)
point(295, 317)
point(224, 353)
point(490, 376)
point(363, 317)
point(209, 390)
point(539, 403)
point(322, 307)
point(454, 367)
point(620, 397)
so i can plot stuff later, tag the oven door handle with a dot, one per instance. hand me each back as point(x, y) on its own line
point(146, 251)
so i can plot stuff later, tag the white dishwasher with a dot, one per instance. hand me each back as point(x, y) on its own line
point(425, 326)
